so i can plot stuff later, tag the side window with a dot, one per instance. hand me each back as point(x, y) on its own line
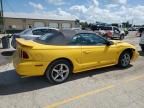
point(37, 32)
point(92, 39)
point(76, 40)
point(44, 31)
point(116, 30)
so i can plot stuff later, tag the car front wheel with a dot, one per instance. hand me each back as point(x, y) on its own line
point(124, 59)
point(59, 71)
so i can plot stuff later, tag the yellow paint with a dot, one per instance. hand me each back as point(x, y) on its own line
point(83, 58)
point(134, 78)
point(80, 96)
point(57, 104)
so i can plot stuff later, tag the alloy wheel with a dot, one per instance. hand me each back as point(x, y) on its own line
point(125, 60)
point(60, 72)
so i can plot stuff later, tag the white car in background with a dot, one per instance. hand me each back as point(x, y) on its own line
point(109, 32)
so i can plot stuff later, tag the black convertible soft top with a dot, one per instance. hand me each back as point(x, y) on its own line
point(62, 37)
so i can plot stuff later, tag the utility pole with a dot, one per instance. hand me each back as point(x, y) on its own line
point(1, 17)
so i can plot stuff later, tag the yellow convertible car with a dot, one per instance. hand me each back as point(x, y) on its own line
point(57, 56)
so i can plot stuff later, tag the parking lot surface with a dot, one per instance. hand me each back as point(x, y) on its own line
point(110, 87)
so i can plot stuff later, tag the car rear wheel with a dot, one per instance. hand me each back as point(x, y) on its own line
point(59, 71)
point(124, 59)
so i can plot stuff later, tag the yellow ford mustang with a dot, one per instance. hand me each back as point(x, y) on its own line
point(57, 56)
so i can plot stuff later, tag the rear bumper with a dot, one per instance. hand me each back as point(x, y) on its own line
point(29, 68)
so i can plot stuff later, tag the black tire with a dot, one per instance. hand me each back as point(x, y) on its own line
point(13, 43)
point(51, 73)
point(123, 61)
point(142, 48)
point(122, 37)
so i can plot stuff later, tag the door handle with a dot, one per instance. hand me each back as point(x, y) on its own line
point(87, 52)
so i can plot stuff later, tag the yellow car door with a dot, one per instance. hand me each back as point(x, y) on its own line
point(96, 51)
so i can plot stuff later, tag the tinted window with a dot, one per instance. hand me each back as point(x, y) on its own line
point(76, 40)
point(116, 30)
point(44, 31)
point(37, 32)
point(91, 39)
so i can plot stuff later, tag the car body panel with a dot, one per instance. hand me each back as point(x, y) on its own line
point(83, 58)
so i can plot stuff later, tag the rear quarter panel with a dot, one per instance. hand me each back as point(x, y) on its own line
point(48, 54)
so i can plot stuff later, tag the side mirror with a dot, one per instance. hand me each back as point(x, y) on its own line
point(109, 43)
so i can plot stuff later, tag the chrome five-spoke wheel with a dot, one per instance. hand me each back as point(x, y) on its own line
point(124, 60)
point(59, 71)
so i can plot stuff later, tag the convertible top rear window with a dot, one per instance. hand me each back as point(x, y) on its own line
point(52, 39)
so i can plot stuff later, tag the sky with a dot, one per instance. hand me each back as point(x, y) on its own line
point(107, 11)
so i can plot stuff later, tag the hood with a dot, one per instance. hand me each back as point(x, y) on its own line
point(122, 43)
point(117, 41)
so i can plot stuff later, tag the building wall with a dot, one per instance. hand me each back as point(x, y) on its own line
point(21, 23)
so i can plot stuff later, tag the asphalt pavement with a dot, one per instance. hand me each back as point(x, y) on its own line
point(109, 87)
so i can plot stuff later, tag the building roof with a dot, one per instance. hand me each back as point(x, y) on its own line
point(38, 17)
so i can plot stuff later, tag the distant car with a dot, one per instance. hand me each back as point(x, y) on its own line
point(114, 32)
point(109, 32)
point(132, 29)
point(141, 43)
point(31, 34)
point(57, 55)
point(139, 32)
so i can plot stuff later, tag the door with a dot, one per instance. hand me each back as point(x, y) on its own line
point(116, 32)
point(96, 52)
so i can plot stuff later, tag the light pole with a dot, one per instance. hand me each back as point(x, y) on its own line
point(1, 16)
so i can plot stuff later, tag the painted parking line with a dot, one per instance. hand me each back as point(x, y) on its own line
point(96, 91)
point(80, 96)
point(133, 78)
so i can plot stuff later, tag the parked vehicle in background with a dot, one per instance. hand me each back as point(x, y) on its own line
point(31, 34)
point(132, 29)
point(139, 32)
point(111, 32)
point(57, 55)
point(141, 43)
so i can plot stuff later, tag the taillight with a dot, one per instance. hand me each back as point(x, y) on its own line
point(23, 54)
